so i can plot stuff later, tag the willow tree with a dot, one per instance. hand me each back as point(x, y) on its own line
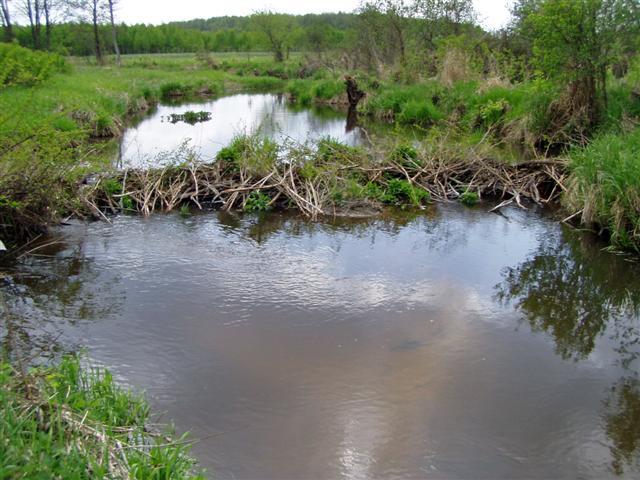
point(277, 30)
point(574, 43)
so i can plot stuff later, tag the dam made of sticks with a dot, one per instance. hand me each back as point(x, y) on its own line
point(321, 178)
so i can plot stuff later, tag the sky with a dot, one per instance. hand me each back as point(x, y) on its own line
point(493, 13)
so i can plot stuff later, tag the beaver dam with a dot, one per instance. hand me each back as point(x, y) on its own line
point(283, 162)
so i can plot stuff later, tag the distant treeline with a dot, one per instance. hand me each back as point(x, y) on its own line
point(223, 34)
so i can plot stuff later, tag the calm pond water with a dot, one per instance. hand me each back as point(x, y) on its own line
point(268, 114)
point(454, 344)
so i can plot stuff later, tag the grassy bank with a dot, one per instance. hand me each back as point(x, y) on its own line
point(67, 421)
point(605, 187)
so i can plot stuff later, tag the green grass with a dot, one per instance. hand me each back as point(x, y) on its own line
point(605, 186)
point(66, 421)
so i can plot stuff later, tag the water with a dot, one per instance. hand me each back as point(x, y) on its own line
point(268, 114)
point(451, 344)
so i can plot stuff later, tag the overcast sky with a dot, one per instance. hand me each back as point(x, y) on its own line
point(493, 13)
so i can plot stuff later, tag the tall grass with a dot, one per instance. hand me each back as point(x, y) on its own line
point(605, 186)
point(67, 421)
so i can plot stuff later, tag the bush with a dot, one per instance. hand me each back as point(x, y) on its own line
point(401, 192)
point(21, 66)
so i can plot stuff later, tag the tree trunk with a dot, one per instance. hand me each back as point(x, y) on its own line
point(6, 20)
point(114, 33)
point(96, 33)
point(38, 24)
point(47, 23)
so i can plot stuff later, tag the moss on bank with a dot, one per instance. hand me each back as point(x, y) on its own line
point(66, 421)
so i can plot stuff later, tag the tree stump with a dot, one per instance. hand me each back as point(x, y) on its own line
point(354, 94)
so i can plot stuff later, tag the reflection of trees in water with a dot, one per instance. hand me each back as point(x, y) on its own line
point(48, 293)
point(572, 291)
point(623, 424)
point(261, 227)
point(576, 293)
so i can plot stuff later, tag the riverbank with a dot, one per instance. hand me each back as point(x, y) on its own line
point(55, 133)
point(69, 421)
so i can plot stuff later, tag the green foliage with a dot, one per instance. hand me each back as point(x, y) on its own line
point(308, 91)
point(21, 66)
point(127, 203)
point(327, 89)
point(251, 154)
point(329, 149)
point(493, 112)
point(42, 431)
point(111, 187)
point(419, 112)
point(469, 198)
point(405, 155)
point(605, 186)
point(174, 89)
point(257, 202)
point(402, 192)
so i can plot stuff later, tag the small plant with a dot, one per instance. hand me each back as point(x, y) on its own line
point(185, 211)
point(189, 117)
point(127, 203)
point(469, 198)
point(405, 154)
point(111, 187)
point(257, 202)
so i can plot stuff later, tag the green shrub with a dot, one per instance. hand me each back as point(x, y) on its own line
point(328, 89)
point(402, 192)
point(21, 66)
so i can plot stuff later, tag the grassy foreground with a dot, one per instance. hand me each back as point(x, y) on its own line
point(70, 422)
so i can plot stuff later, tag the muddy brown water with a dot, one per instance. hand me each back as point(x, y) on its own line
point(451, 344)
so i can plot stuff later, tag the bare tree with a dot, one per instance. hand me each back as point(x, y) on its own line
point(6, 20)
point(114, 32)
